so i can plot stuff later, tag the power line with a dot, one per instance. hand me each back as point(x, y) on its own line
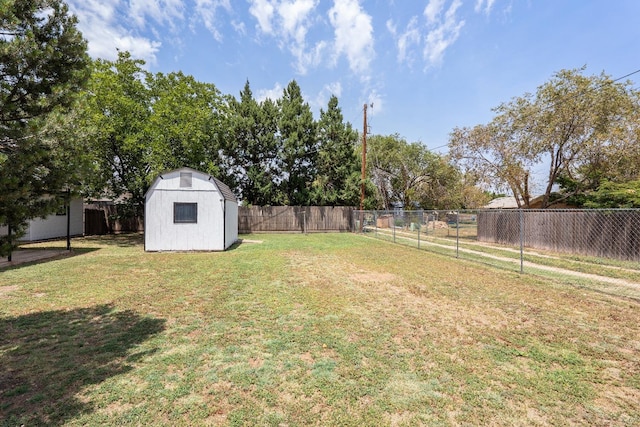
point(440, 146)
point(625, 76)
point(569, 97)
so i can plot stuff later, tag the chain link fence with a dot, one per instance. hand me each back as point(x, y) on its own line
point(584, 244)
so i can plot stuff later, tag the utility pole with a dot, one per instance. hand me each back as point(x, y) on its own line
point(364, 157)
point(364, 167)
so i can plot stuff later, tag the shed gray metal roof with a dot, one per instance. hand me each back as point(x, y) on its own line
point(224, 189)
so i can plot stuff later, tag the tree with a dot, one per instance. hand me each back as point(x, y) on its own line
point(185, 126)
point(337, 182)
point(573, 125)
point(614, 195)
point(411, 175)
point(297, 132)
point(252, 150)
point(578, 119)
point(491, 153)
point(118, 103)
point(43, 63)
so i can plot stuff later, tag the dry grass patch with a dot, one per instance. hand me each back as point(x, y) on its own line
point(309, 330)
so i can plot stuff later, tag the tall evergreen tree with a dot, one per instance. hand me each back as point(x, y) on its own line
point(43, 63)
point(338, 170)
point(299, 149)
point(252, 148)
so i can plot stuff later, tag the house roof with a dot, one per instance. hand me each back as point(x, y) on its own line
point(502, 203)
point(224, 189)
point(510, 202)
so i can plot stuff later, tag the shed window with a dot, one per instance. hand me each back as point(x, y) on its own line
point(185, 213)
point(185, 179)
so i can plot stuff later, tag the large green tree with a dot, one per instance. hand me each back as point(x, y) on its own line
point(574, 126)
point(410, 175)
point(118, 103)
point(43, 63)
point(251, 149)
point(337, 182)
point(299, 147)
point(493, 155)
point(611, 194)
point(185, 125)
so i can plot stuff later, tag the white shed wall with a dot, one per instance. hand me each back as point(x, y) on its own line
point(54, 226)
point(231, 223)
point(162, 234)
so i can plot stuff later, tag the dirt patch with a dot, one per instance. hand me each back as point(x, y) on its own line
point(256, 362)
point(441, 225)
point(307, 358)
point(6, 290)
point(374, 277)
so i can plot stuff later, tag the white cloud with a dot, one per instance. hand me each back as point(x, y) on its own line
point(353, 35)
point(99, 23)
point(486, 4)
point(289, 22)
point(433, 10)
point(442, 34)
point(263, 11)
point(273, 94)
point(118, 24)
point(375, 101)
point(334, 88)
point(294, 18)
point(308, 57)
point(322, 99)
point(239, 27)
point(162, 11)
point(410, 37)
point(441, 28)
point(207, 12)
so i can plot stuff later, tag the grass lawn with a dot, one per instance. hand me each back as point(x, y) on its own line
point(327, 329)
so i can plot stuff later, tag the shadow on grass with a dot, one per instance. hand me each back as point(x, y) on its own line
point(49, 357)
point(25, 257)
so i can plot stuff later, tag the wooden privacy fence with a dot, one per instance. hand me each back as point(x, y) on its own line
point(595, 232)
point(104, 218)
point(294, 219)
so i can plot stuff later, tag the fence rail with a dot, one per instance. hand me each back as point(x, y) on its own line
point(105, 217)
point(294, 219)
point(602, 233)
point(514, 239)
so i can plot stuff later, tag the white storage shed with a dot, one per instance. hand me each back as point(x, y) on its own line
point(55, 225)
point(188, 210)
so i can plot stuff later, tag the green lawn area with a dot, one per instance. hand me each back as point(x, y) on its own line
point(326, 329)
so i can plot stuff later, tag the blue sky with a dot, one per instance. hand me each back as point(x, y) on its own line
point(426, 66)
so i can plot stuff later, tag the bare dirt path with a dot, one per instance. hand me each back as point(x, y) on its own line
point(528, 264)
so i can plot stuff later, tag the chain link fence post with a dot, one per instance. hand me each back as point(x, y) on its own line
point(375, 222)
point(393, 225)
point(435, 218)
point(521, 240)
point(457, 234)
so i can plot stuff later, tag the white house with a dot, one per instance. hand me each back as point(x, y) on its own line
point(188, 210)
point(54, 226)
